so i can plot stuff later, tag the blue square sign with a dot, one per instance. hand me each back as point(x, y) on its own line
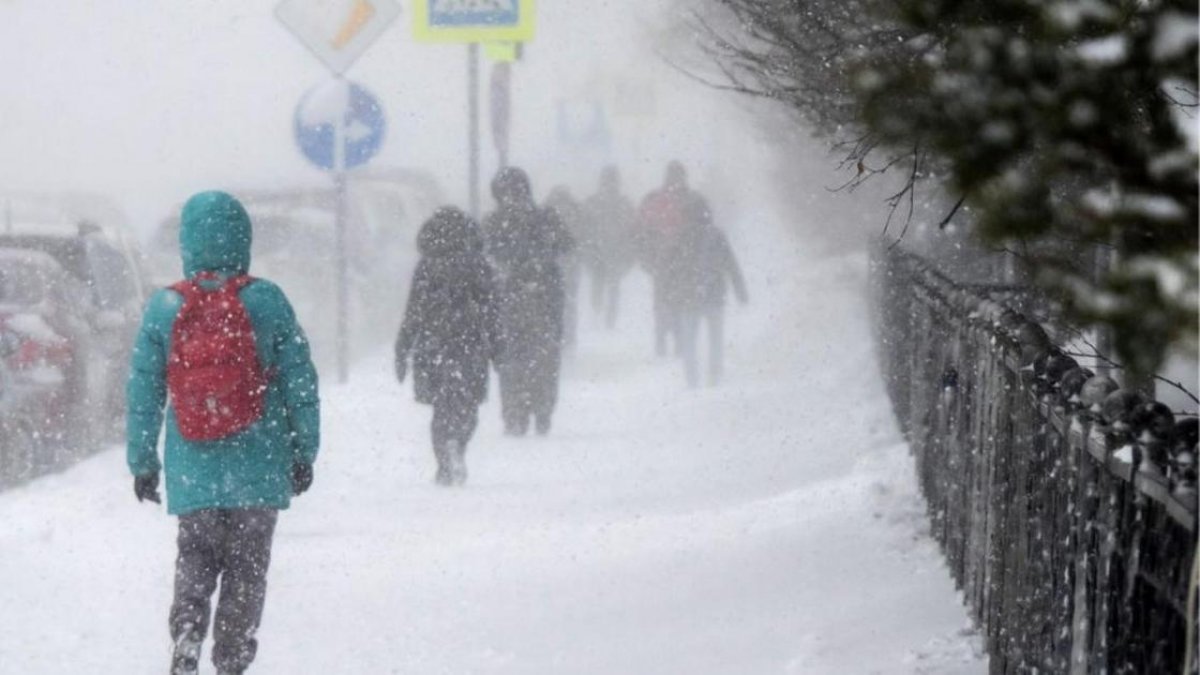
point(458, 13)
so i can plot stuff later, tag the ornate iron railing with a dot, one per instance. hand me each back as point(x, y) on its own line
point(1065, 506)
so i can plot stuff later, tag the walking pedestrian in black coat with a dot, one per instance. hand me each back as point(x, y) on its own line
point(450, 331)
point(525, 243)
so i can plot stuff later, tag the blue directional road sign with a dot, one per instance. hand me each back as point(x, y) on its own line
point(326, 106)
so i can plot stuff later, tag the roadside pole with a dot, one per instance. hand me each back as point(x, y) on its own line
point(473, 127)
point(337, 34)
point(342, 262)
point(511, 23)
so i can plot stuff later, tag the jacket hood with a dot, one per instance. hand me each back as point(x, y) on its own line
point(214, 235)
point(449, 232)
point(511, 187)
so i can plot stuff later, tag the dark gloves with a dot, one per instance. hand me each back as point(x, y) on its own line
point(146, 488)
point(401, 368)
point(302, 477)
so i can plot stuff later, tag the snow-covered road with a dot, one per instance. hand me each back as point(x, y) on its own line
point(767, 526)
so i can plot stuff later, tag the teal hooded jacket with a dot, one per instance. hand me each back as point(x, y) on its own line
point(252, 468)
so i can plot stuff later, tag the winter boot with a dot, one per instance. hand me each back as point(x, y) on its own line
point(186, 658)
point(542, 424)
point(458, 462)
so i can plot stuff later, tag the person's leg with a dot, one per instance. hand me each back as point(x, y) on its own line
point(614, 301)
point(441, 432)
point(662, 319)
point(716, 344)
point(466, 422)
point(464, 417)
point(196, 569)
point(545, 388)
point(528, 382)
point(688, 327)
point(510, 398)
point(599, 280)
point(243, 587)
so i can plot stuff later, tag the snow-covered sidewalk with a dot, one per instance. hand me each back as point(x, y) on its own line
point(770, 525)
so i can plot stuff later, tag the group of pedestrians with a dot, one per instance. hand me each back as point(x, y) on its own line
point(222, 363)
point(480, 296)
point(673, 238)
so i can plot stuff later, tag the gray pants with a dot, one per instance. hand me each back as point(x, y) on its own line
point(233, 545)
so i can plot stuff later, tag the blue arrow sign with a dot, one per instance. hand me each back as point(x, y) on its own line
point(321, 110)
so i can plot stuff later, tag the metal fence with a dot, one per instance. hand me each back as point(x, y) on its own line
point(1066, 507)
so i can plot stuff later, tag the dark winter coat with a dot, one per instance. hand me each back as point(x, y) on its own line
point(525, 243)
point(450, 322)
point(696, 276)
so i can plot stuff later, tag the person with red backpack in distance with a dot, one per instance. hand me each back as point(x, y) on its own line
point(662, 217)
point(223, 353)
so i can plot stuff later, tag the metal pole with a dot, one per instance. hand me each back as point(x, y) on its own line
point(343, 281)
point(473, 127)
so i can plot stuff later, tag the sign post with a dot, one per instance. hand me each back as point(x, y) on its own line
point(474, 22)
point(338, 125)
point(501, 109)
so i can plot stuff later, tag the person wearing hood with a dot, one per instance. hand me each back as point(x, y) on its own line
point(450, 334)
point(223, 355)
point(524, 244)
point(662, 217)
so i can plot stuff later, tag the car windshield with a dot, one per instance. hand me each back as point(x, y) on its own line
point(111, 278)
point(22, 284)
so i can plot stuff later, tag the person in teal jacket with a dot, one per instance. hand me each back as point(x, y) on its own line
point(226, 492)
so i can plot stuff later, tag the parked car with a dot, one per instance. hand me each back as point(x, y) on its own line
point(107, 296)
point(19, 435)
point(44, 352)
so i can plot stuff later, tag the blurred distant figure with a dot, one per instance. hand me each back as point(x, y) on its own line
point(450, 332)
point(223, 353)
point(695, 287)
point(662, 217)
point(610, 223)
point(525, 243)
point(571, 215)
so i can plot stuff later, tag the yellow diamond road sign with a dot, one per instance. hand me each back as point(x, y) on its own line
point(337, 31)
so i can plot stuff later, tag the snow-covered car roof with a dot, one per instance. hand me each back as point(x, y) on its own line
point(64, 215)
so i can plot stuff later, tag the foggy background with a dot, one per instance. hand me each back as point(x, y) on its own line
point(149, 102)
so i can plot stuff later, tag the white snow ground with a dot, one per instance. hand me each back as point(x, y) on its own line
point(768, 526)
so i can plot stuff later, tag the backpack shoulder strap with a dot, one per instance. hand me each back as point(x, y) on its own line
point(187, 288)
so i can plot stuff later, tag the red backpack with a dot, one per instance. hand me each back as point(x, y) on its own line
point(214, 378)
